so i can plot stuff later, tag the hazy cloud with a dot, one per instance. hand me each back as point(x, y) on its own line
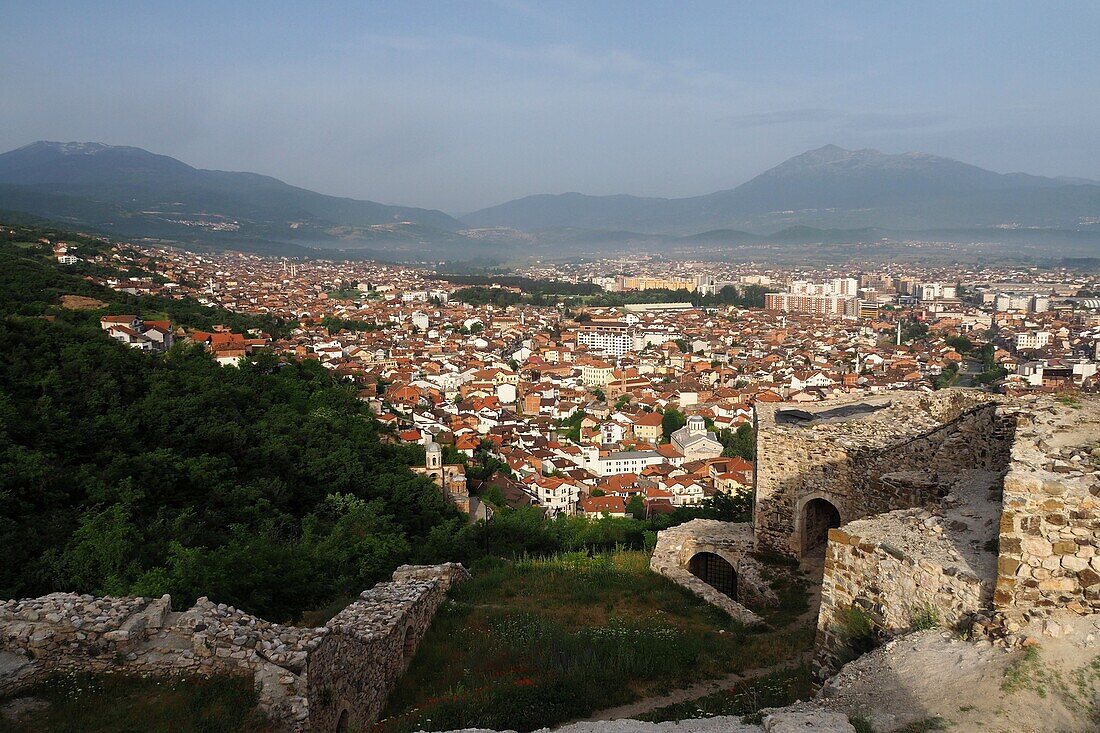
point(784, 117)
point(895, 121)
point(853, 120)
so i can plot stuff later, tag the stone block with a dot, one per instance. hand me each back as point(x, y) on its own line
point(1036, 546)
point(1056, 584)
point(1007, 566)
point(1074, 564)
point(1088, 578)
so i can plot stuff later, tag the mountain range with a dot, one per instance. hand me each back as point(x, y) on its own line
point(826, 187)
point(825, 195)
point(131, 191)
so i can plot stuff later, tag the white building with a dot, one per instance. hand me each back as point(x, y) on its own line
point(633, 461)
point(1036, 340)
point(695, 441)
point(613, 339)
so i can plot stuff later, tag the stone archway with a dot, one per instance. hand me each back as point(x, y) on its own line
point(342, 723)
point(818, 516)
point(715, 571)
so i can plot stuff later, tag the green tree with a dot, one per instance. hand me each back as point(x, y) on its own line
point(961, 344)
point(740, 443)
point(672, 421)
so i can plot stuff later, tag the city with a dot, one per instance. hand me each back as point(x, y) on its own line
point(604, 411)
point(569, 366)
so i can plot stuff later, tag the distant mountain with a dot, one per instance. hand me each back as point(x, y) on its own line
point(829, 187)
point(825, 196)
point(132, 191)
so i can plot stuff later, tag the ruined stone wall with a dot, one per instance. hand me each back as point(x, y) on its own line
point(65, 631)
point(1013, 538)
point(890, 460)
point(369, 645)
point(890, 585)
point(290, 665)
point(1050, 530)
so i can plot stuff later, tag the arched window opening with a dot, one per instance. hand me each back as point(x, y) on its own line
point(715, 571)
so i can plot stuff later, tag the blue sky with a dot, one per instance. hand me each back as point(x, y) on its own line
point(459, 105)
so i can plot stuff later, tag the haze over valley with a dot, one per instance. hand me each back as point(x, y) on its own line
point(828, 196)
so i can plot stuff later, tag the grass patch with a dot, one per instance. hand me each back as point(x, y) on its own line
point(861, 724)
point(746, 699)
point(1018, 674)
point(1069, 400)
point(112, 703)
point(1078, 689)
point(923, 618)
point(794, 598)
point(539, 641)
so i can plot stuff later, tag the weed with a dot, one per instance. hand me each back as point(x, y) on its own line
point(861, 724)
point(921, 726)
point(1069, 401)
point(924, 617)
point(1018, 674)
point(105, 703)
point(535, 642)
point(747, 699)
point(859, 633)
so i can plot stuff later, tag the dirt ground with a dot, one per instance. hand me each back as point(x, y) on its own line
point(1051, 684)
point(81, 303)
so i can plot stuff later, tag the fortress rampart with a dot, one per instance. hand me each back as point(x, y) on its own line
point(1000, 525)
point(865, 457)
point(1049, 534)
point(731, 543)
point(311, 679)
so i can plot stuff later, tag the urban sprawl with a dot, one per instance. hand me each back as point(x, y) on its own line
point(642, 407)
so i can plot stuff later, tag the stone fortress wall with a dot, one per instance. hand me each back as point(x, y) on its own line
point(866, 457)
point(307, 678)
point(1049, 539)
point(957, 508)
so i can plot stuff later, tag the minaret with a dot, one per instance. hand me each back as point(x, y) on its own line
point(899, 333)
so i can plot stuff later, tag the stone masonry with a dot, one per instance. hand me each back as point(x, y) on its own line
point(1013, 534)
point(307, 678)
point(909, 567)
point(1050, 530)
point(733, 542)
point(867, 457)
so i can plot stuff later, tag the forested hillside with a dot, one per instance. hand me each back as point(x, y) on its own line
point(124, 472)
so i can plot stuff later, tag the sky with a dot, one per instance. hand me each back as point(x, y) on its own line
point(462, 105)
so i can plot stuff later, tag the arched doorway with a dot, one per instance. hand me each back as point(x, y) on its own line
point(818, 517)
point(715, 571)
point(342, 723)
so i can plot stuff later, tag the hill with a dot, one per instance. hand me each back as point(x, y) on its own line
point(829, 187)
point(124, 472)
point(134, 192)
